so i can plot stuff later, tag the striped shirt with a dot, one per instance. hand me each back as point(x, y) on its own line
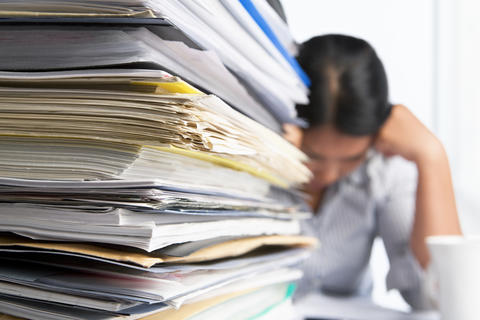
point(377, 199)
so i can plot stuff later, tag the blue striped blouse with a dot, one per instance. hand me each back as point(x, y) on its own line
point(377, 199)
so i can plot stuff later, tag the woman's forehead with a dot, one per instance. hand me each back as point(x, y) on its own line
point(326, 141)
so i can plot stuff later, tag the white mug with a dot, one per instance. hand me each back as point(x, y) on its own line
point(455, 263)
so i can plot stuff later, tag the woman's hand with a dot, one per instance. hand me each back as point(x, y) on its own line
point(404, 135)
point(293, 134)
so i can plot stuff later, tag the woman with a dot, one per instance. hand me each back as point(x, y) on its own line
point(359, 189)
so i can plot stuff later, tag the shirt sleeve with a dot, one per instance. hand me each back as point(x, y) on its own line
point(395, 215)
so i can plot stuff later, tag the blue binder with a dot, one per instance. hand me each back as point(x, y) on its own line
point(252, 10)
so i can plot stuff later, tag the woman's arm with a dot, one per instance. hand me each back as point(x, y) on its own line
point(435, 213)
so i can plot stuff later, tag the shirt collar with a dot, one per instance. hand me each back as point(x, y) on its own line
point(363, 177)
point(363, 174)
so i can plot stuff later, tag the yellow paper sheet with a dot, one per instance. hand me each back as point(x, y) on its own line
point(242, 246)
point(143, 259)
point(225, 163)
point(169, 87)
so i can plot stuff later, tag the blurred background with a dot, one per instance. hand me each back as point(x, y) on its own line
point(431, 52)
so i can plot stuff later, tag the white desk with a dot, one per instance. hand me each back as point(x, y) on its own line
point(327, 307)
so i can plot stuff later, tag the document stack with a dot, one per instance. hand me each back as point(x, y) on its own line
point(141, 176)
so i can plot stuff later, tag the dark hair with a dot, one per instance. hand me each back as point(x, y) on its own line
point(349, 86)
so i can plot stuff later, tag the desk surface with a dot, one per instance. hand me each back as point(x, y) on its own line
point(327, 307)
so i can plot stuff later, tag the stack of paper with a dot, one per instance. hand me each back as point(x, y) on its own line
point(246, 37)
point(238, 33)
point(143, 164)
point(127, 192)
point(174, 150)
point(52, 48)
point(85, 281)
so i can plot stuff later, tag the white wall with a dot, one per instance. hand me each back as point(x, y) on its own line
point(458, 97)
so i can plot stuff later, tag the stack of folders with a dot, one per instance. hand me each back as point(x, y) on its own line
point(248, 60)
point(129, 193)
